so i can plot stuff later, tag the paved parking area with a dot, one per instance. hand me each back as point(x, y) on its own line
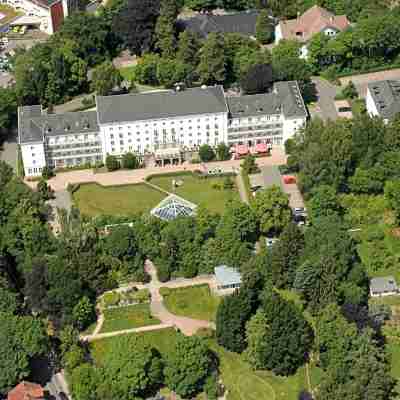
point(8, 151)
point(326, 93)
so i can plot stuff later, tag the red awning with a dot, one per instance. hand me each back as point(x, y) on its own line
point(242, 149)
point(261, 148)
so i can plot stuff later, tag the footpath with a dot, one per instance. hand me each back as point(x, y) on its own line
point(188, 326)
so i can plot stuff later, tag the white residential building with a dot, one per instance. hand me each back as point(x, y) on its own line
point(46, 15)
point(158, 122)
point(383, 99)
point(315, 20)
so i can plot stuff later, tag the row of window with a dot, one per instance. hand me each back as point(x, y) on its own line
point(255, 128)
point(34, 171)
point(164, 131)
point(120, 128)
point(140, 149)
point(71, 138)
point(253, 135)
point(73, 153)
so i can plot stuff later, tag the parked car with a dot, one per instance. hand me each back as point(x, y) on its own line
point(269, 242)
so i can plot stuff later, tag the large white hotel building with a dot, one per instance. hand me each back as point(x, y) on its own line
point(157, 123)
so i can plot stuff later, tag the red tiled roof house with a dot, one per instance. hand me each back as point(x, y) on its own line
point(26, 391)
point(315, 20)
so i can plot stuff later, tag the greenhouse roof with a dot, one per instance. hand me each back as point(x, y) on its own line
point(173, 207)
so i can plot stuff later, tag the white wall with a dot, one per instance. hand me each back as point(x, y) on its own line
point(33, 157)
point(145, 136)
point(278, 33)
point(31, 9)
point(291, 126)
point(370, 104)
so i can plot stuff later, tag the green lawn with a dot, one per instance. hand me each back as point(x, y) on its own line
point(93, 199)
point(117, 319)
point(393, 347)
point(163, 340)
point(195, 302)
point(245, 384)
point(199, 191)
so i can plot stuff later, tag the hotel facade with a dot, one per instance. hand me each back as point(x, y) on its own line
point(158, 124)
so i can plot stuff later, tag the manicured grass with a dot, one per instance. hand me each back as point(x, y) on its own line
point(194, 302)
point(393, 347)
point(93, 199)
point(199, 191)
point(117, 319)
point(163, 340)
point(243, 383)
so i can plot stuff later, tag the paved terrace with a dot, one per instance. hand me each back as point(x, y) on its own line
point(124, 177)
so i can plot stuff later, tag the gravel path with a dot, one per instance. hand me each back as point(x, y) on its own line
point(188, 326)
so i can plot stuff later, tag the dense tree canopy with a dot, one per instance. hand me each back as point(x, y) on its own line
point(188, 366)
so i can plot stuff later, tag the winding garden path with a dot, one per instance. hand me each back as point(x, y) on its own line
point(188, 326)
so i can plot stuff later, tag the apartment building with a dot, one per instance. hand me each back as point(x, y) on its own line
point(383, 99)
point(154, 123)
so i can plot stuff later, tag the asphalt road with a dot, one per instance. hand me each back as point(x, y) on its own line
point(8, 151)
point(326, 93)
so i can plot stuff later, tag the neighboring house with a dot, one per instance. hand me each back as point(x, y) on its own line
point(46, 15)
point(165, 124)
point(385, 286)
point(383, 99)
point(203, 24)
point(314, 20)
point(26, 391)
point(227, 278)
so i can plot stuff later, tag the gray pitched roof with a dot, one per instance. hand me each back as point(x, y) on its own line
point(386, 96)
point(33, 125)
point(227, 276)
point(385, 284)
point(163, 104)
point(241, 22)
point(291, 99)
point(285, 98)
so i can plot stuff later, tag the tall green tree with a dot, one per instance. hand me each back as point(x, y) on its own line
point(271, 207)
point(21, 339)
point(135, 24)
point(105, 78)
point(165, 28)
point(188, 366)
point(233, 313)
point(286, 256)
point(264, 28)
point(212, 65)
point(188, 48)
point(132, 369)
